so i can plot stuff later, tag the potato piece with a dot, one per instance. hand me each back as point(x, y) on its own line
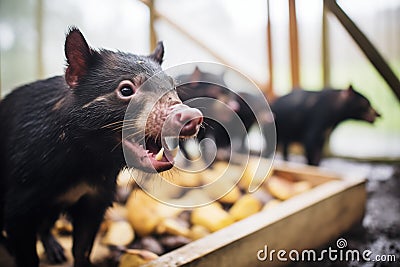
point(145, 213)
point(247, 205)
point(232, 196)
point(136, 258)
point(173, 227)
point(212, 216)
point(279, 188)
point(283, 189)
point(142, 212)
point(119, 233)
point(198, 231)
point(255, 173)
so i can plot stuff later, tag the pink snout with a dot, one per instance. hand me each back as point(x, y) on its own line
point(184, 121)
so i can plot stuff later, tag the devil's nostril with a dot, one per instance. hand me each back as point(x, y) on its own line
point(199, 120)
point(178, 117)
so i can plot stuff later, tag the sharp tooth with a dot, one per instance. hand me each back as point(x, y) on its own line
point(160, 154)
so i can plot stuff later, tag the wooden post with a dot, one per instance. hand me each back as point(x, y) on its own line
point(326, 64)
point(0, 81)
point(366, 46)
point(39, 39)
point(270, 89)
point(153, 17)
point(294, 45)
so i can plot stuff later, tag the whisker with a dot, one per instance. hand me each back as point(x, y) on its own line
point(120, 121)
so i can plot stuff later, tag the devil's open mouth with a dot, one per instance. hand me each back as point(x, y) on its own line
point(157, 152)
point(155, 155)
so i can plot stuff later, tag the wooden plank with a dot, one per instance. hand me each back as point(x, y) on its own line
point(270, 90)
point(326, 64)
point(294, 45)
point(152, 19)
point(366, 46)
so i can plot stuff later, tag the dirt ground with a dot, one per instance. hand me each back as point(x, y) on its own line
point(380, 229)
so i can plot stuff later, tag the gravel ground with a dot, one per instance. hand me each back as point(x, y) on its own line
point(380, 229)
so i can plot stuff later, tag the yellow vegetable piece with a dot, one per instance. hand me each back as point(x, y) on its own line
point(212, 217)
point(247, 205)
point(119, 233)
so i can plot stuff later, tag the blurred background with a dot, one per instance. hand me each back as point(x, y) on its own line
point(231, 32)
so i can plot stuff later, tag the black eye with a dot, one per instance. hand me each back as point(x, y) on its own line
point(126, 91)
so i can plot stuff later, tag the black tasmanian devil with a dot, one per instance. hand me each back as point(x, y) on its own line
point(209, 86)
point(61, 146)
point(308, 117)
point(247, 106)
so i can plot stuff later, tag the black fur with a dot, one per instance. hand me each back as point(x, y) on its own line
point(52, 140)
point(308, 117)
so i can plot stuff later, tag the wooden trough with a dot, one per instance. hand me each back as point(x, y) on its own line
point(306, 221)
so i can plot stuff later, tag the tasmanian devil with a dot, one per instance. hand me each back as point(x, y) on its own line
point(212, 88)
point(61, 146)
point(308, 117)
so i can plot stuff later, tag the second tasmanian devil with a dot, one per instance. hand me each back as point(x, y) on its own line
point(309, 117)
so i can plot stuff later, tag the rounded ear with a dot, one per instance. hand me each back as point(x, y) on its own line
point(158, 53)
point(78, 54)
point(348, 92)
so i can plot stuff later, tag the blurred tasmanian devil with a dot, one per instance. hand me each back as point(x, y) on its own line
point(309, 117)
point(61, 144)
point(206, 85)
point(246, 106)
